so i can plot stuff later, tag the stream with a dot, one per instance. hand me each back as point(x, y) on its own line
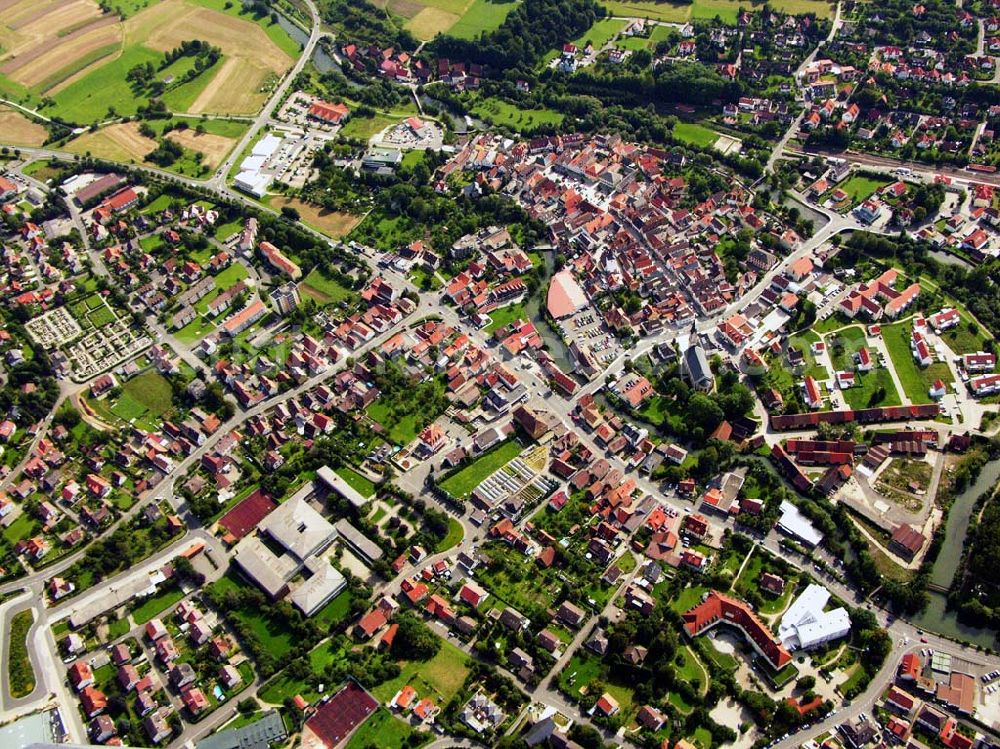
point(936, 617)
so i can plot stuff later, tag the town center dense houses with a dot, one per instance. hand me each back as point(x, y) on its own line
point(625, 217)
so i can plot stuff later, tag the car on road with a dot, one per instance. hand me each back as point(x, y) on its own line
point(923, 639)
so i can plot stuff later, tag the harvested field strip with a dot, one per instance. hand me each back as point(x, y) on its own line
point(213, 147)
point(235, 89)
point(430, 22)
point(121, 142)
point(28, 11)
point(39, 46)
point(57, 82)
point(64, 32)
point(61, 60)
point(19, 130)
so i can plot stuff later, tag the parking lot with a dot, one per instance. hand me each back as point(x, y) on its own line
point(587, 329)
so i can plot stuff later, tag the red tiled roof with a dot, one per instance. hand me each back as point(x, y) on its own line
point(718, 608)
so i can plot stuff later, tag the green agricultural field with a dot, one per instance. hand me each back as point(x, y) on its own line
point(99, 89)
point(482, 16)
point(695, 134)
point(461, 484)
point(916, 381)
point(708, 9)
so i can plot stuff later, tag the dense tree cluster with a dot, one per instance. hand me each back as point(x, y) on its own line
point(529, 31)
point(362, 23)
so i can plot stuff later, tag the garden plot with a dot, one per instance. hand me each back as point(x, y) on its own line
point(518, 484)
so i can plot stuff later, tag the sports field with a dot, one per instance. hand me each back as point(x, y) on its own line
point(19, 130)
point(695, 134)
point(727, 10)
point(121, 142)
point(466, 19)
point(71, 52)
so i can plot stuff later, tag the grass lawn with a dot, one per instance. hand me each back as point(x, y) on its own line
point(19, 671)
point(443, 675)
point(364, 486)
point(678, 701)
point(24, 527)
point(383, 730)
point(842, 347)
point(695, 134)
point(365, 127)
point(602, 32)
point(222, 232)
point(505, 316)
point(702, 738)
point(860, 188)
point(499, 112)
point(194, 331)
point(158, 205)
point(462, 483)
point(43, 170)
point(916, 381)
point(273, 637)
point(335, 611)
point(579, 672)
point(452, 538)
point(283, 686)
point(689, 669)
point(482, 15)
point(962, 339)
point(688, 599)
point(856, 674)
point(324, 290)
point(803, 342)
point(402, 431)
point(118, 628)
point(144, 398)
point(155, 604)
point(867, 384)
